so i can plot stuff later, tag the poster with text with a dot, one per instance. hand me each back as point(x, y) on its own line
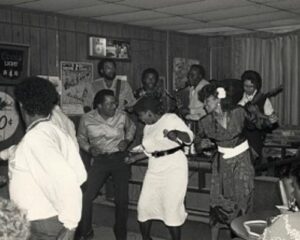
point(181, 67)
point(75, 76)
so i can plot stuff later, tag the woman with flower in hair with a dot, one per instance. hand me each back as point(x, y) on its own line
point(232, 170)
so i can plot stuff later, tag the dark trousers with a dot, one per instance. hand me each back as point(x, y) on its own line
point(104, 166)
point(45, 229)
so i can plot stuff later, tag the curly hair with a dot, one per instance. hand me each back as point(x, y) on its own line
point(148, 103)
point(150, 71)
point(200, 68)
point(254, 77)
point(233, 88)
point(102, 62)
point(38, 96)
point(13, 222)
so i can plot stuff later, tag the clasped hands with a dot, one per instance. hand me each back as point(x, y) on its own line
point(133, 157)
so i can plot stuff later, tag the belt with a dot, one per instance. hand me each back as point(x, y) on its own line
point(232, 152)
point(166, 152)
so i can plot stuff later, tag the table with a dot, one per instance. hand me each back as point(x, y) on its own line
point(237, 225)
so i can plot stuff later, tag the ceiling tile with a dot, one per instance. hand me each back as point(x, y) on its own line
point(286, 4)
point(268, 24)
point(209, 30)
point(281, 29)
point(164, 21)
point(133, 16)
point(232, 12)
point(266, 1)
point(254, 19)
point(99, 10)
point(48, 5)
point(203, 6)
point(153, 4)
point(187, 26)
point(14, 2)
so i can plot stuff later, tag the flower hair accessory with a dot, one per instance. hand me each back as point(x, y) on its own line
point(221, 93)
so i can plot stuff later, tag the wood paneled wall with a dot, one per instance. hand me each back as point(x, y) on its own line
point(54, 38)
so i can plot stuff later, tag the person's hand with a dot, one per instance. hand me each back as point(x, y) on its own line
point(3, 180)
point(252, 108)
point(273, 118)
point(66, 234)
point(172, 135)
point(130, 159)
point(95, 151)
point(184, 112)
point(123, 145)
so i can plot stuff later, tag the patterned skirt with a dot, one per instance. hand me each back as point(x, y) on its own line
point(232, 186)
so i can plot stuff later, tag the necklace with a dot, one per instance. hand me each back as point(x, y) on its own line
point(36, 122)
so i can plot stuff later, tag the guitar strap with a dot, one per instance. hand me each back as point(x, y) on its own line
point(118, 90)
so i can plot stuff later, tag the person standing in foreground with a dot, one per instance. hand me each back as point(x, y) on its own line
point(232, 171)
point(165, 182)
point(106, 133)
point(46, 170)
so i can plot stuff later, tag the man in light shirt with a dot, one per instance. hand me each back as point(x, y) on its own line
point(252, 84)
point(196, 80)
point(121, 88)
point(105, 133)
point(46, 170)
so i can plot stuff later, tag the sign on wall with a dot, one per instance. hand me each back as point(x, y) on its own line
point(11, 127)
point(75, 77)
point(14, 63)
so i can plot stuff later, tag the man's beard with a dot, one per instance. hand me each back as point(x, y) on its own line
point(110, 77)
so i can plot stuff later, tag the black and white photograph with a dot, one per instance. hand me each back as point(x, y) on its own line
point(100, 47)
point(150, 120)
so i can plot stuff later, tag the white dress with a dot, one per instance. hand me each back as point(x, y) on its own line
point(165, 182)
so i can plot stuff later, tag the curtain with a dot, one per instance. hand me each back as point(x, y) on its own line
point(276, 59)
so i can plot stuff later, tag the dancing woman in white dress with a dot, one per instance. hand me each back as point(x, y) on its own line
point(165, 182)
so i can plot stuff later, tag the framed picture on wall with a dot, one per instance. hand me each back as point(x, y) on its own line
point(101, 47)
point(14, 63)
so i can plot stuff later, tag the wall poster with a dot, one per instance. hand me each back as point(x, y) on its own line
point(181, 67)
point(75, 77)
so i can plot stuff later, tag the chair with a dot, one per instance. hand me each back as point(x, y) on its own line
point(266, 193)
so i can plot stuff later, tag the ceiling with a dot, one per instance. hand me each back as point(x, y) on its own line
point(203, 17)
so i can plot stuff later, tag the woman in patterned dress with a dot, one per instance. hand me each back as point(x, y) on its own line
point(232, 171)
